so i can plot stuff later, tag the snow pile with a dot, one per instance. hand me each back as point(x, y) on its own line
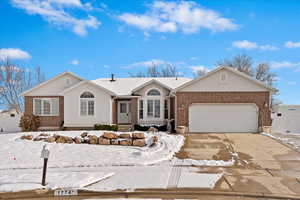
point(292, 139)
point(76, 180)
point(220, 163)
point(17, 153)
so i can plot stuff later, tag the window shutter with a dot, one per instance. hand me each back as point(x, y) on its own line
point(55, 106)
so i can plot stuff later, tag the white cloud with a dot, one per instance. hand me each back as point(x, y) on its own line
point(184, 16)
point(55, 13)
point(284, 64)
point(199, 67)
point(75, 62)
point(147, 63)
point(13, 53)
point(290, 44)
point(245, 44)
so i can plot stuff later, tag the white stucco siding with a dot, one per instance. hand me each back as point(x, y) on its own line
point(56, 86)
point(232, 82)
point(102, 111)
point(286, 119)
point(10, 123)
point(145, 89)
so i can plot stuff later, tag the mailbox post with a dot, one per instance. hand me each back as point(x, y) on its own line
point(45, 154)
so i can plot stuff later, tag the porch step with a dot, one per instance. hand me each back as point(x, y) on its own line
point(125, 128)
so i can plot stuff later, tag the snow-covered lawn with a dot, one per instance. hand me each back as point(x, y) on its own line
point(17, 153)
point(100, 167)
point(292, 139)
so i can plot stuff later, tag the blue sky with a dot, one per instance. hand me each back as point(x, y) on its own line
point(95, 38)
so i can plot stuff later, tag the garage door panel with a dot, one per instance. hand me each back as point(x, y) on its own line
point(223, 118)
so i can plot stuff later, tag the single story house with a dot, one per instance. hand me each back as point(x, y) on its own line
point(286, 118)
point(223, 100)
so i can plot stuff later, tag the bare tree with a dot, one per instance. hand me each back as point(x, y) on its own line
point(241, 62)
point(168, 70)
point(14, 80)
point(200, 72)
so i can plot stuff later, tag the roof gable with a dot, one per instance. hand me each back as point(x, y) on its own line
point(233, 81)
point(54, 85)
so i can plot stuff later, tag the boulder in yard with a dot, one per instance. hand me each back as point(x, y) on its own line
point(155, 139)
point(104, 141)
point(84, 134)
point(26, 137)
point(93, 139)
point(126, 142)
point(125, 135)
point(43, 134)
point(152, 129)
point(114, 141)
point(110, 135)
point(56, 136)
point(77, 140)
point(64, 139)
point(138, 135)
point(39, 138)
point(139, 142)
point(50, 139)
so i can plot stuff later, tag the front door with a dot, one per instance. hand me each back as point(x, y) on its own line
point(124, 114)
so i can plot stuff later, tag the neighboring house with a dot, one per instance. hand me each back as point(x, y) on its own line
point(9, 120)
point(286, 118)
point(224, 100)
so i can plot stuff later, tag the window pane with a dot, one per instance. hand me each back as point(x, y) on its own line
point(46, 107)
point(37, 106)
point(141, 110)
point(91, 108)
point(123, 108)
point(166, 109)
point(83, 107)
point(150, 108)
point(86, 95)
point(153, 92)
point(157, 108)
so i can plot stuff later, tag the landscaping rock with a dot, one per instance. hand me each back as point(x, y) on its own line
point(104, 141)
point(43, 134)
point(110, 135)
point(64, 139)
point(77, 140)
point(39, 138)
point(84, 134)
point(139, 143)
point(93, 139)
point(125, 135)
point(152, 129)
point(26, 137)
point(56, 136)
point(114, 141)
point(50, 139)
point(126, 142)
point(138, 135)
point(155, 139)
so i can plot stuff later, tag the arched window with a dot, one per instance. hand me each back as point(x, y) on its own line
point(86, 95)
point(153, 92)
point(87, 104)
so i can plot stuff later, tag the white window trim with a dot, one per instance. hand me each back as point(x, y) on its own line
point(42, 107)
point(145, 99)
point(87, 108)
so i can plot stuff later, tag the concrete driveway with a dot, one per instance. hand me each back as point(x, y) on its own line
point(262, 164)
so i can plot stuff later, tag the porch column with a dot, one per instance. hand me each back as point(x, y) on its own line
point(134, 110)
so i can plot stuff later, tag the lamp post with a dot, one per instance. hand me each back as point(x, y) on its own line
point(45, 154)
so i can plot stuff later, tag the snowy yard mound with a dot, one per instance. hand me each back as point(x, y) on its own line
point(17, 153)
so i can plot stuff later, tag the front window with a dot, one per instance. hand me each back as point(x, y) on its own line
point(46, 106)
point(153, 108)
point(141, 109)
point(153, 92)
point(87, 104)
point(166, 109)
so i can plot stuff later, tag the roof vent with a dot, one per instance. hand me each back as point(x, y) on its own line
point(112, 78)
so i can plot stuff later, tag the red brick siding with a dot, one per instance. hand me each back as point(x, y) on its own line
point(185, 99)
point(115, 111)
point(134, 110)
point(51, 121)
point(172, 107)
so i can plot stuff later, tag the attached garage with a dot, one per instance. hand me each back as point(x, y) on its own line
point(206, 118)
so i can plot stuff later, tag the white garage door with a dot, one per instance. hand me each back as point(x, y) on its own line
point(205, 118)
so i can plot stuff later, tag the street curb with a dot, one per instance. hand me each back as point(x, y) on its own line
point(147, 193)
